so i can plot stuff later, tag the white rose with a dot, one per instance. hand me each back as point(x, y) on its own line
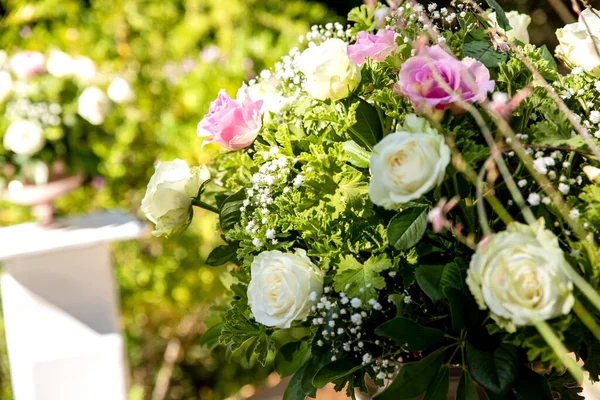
point(120, 91)
point(59, 64)
point(519, 274)
point(84, 69)
point(330, 73)
point(93, 105)
point(168, 199)
point(593, 173)
point(577, 46)
point(518, 22)
point(6, 84)
point(283, 287)
point(265, 90)
point(407, 164)
point(24, 137)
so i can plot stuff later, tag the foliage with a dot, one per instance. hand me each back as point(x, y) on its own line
point(395, 288)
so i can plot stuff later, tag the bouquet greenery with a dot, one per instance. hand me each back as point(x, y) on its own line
point(413, 193)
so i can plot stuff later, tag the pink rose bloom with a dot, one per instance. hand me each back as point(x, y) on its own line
point(26, 64)
point(233, 124)
point(378, 47)
point(468, 79)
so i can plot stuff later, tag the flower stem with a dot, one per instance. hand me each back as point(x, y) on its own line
point(587, 318)
point(206, 206)
point(559, 348)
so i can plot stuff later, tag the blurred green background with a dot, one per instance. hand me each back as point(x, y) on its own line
point(177, 54)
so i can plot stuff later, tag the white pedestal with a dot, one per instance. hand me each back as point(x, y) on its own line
point(61, 308)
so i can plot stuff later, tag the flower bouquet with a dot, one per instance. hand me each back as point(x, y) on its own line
point(414, 193)
point(53, 110)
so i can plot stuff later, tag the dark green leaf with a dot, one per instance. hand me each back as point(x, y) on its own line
point(291, 357)
point(432, 279)
point(407, 227)
point(531, 386)
point(484, 52)
point(357, 155)
point(210, 338)
point(230, 213)
point(500, 15)
point(335, 370)
point(414, 378)
point(367, 130)
point(466, 387)
point(295, 390)
point(410, 335)
point(222, 254)
point(457, 307)
point(494, 370)
point(440, 385)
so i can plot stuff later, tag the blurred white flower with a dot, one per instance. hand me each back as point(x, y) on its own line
point(120, 91)
point(59, 64)
point(93, 105)
point(5, 85)
point(26, 64)
point(518, 22)
point(84, 69)
point(24, 137)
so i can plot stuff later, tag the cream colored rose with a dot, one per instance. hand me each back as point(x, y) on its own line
point(168, 199)
point(330, 73)
point(24, 137)
point(283, 287)
point(577, 46)
point(519, 24)
point(93, 105)
point(407, 164)
point(593, 173)
point(519, 275)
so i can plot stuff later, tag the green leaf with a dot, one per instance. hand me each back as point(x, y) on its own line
point(410, 335)
point(484, 52)
point(238, 332)
point(230, 213)
point(210, 338)
point(500, 15)
point(457, 307)
point(335, 370)
point(291, 357)
point(494, 370)
point(367, 130)
point(414, 378)
point(222, 254)
point(358, 280)
point(531, 386)
point(432, 279)
point(407, 227)
point(295, 390)
point(466, 387)
point(547, 55)
point(440, 385)
point(357, 155)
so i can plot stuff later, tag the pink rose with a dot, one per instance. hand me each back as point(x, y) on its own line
point(233, 124)
point(26, 64)
point(378, 47)
point(468, 79)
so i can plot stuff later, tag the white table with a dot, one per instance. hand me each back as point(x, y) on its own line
point(61, 309)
